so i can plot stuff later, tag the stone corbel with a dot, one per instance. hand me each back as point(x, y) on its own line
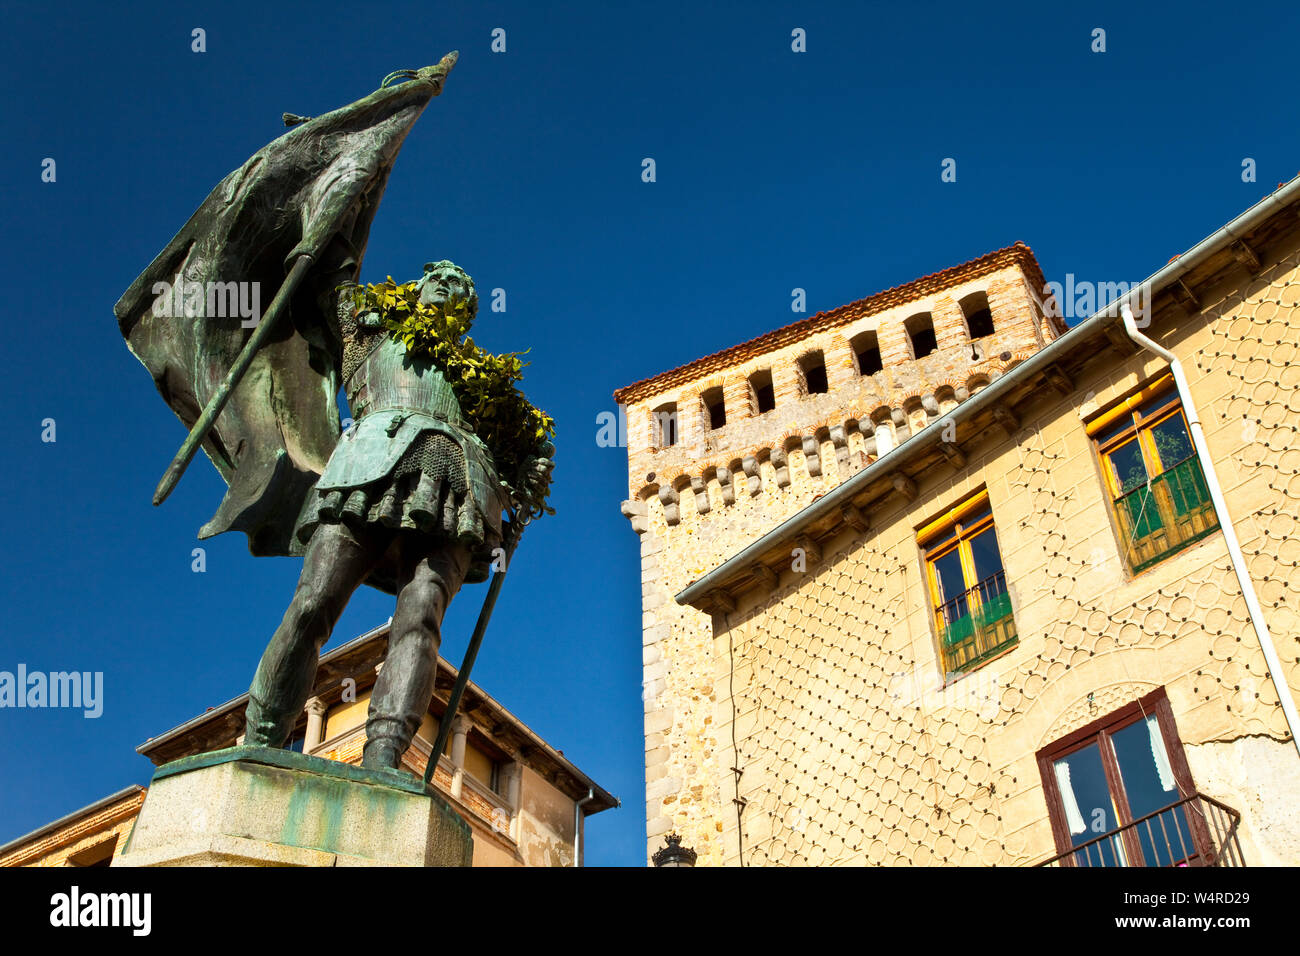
point(634, 511)
point(841, 443)
point(868, 429)
point(781, 463)
point(668, 498)
point(750, 464)
point(902, 427)
point(728, 491)
point(701, 490)
point(812, 456)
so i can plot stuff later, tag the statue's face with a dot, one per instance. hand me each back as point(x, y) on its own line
point(443, 284)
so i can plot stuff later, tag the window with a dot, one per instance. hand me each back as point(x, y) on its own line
point(1160, 499)
point(666, 419)
point(979, 318)
point(1119, 792)
point(480, 766)
point(920, 332)
point(760, 384)
point(715, 410)
point(968, 587)
point(813, 367)
point(866, 349)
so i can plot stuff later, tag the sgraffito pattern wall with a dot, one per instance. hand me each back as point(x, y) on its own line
point(848, 747)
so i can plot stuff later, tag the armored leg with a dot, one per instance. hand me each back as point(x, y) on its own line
point(429, 581)
point(337, 561)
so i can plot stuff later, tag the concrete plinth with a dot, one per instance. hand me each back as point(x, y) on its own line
point(254, 806)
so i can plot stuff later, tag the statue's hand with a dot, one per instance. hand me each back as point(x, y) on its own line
point(537, 475)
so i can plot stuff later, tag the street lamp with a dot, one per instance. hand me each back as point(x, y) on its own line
point(673, 853)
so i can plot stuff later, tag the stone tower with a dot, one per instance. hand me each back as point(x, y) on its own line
point(726, 447)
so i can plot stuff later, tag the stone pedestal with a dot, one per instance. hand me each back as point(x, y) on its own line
point(254, 806)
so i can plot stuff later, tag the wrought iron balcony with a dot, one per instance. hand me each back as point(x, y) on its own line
point(976, 624)
point(1166, 514)
point(1196, 831)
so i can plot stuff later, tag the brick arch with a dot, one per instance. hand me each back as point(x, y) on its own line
point(1016, 359)
point(977, 380)
point(669, 475)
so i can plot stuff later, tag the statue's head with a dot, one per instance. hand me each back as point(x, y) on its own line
point(445, 282)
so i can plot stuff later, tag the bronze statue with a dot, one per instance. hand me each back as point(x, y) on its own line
point(409, 499)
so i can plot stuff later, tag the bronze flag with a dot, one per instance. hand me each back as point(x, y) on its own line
point(189, 314)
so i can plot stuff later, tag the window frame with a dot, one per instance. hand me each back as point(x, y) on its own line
point(666, 413)
point(756, 390)
point(707, 408)
point(1101, 731)
point(1141, 426)
point(807, 363)
point(954, 531)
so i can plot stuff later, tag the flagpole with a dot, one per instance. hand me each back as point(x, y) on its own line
point(218, 401)
point(471, 652)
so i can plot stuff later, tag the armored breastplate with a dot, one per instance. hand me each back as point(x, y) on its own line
point(390, 378)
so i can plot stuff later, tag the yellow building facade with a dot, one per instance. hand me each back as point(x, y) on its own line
point(1013, 632)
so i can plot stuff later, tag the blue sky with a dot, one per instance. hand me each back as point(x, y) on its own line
point(775, 170)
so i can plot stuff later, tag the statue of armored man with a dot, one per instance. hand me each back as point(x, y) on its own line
point(410, 498)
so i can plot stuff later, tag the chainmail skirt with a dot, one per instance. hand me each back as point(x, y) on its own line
point(427, 491)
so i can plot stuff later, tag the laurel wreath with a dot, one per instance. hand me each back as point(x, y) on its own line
point(516, 432)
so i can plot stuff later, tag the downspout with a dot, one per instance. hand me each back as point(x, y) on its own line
point(1225, 523)
point(577, 825)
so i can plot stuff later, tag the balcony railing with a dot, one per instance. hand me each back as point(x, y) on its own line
point(1196, 831)
point(1165, 515)
point(976, 624)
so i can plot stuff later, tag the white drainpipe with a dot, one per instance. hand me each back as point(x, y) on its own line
point(1225, 523)
point(577, 825)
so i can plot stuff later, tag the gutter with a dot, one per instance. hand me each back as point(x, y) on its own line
point(71, 817)
point(992, 394)
point(1256, 612)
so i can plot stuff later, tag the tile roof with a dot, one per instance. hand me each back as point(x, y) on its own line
point(1016, 254)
